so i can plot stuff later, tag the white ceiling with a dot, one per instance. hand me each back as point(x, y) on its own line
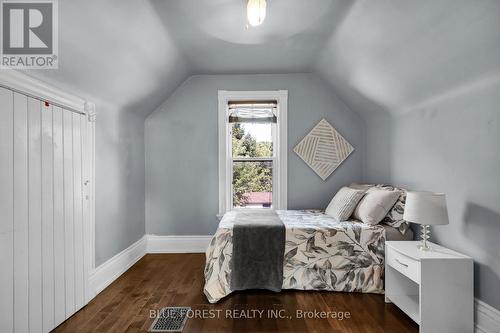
point(215, 39)
point(386, 54)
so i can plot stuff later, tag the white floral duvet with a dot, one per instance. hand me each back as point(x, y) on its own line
point(320, 254)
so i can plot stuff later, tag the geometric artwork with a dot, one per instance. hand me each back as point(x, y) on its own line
point(323, 149)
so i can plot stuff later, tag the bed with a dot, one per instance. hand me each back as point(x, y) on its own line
point(320, 254)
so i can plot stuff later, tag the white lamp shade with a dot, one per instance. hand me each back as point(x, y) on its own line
point(426, 208)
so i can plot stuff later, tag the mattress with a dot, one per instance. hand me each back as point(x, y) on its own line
point(320, 254)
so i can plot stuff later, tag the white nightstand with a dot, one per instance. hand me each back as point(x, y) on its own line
point(434, 288)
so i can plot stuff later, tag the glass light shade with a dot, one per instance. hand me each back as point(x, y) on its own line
point(256, 12)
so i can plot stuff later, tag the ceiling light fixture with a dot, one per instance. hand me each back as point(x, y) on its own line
point(256, 12)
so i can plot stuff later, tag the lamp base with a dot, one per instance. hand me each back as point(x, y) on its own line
point(425, 233)
point(424, 247)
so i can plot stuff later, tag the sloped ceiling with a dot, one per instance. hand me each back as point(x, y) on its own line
point(396, 55)
point(387, 55)
point(118, 52)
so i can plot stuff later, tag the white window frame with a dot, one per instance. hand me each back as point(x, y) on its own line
point(279, 145)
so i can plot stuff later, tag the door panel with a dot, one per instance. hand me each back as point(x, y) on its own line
point(78, 217)
point(69, 236)
point(21, 241)
point(47, 218)
point(45, 213)
point(6, 210)
point(59, 267)
point(35, 215)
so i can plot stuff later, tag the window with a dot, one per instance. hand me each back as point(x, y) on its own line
point(252, 165)
point(252, 129)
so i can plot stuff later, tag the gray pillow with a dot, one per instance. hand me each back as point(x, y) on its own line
point(344, 203)
point(395, 216)
point(375, 205)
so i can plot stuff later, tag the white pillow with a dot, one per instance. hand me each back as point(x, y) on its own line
point(344, 203)
point(375, 205)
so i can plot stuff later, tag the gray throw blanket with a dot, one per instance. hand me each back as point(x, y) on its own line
point(258, 249)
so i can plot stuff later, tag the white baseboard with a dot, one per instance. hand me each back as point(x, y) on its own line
point(178, 244)
point(486, 318)
point(109, 271)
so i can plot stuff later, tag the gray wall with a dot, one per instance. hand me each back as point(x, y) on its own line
point(119, 167)
point(379, 136)
point(120, 218)
point(181, 149)
point(451, 145)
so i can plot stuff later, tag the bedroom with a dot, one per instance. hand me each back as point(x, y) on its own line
point(140, 140)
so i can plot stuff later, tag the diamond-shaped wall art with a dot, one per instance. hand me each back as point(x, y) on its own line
point(323, 149)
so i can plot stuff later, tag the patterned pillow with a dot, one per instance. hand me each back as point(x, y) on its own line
point(344, 203)
point(395, 216)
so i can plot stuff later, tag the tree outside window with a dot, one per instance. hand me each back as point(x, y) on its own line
point(252, 152)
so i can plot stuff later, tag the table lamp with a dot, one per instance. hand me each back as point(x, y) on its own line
point(425, 208)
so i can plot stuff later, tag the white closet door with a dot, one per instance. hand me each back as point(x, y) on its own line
point(6, 211)
point(87, 230)
point(35, 215)
point(45, 213)
point(47, 219)
point(69, 236)
point(21, 241)
point(59, 270)
point(78, 213)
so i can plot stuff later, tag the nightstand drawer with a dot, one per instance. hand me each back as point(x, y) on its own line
point(403, 264)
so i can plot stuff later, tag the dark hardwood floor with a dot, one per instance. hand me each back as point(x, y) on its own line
point(160, 280)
